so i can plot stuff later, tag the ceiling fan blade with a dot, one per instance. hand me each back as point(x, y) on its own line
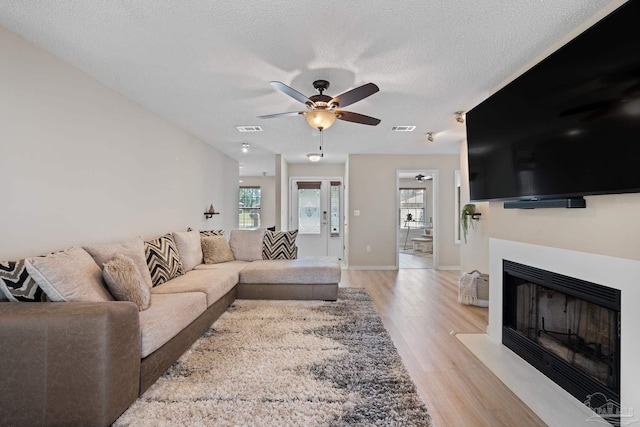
point(291, 92)
point(348, 116)
point(355, 95)
point(272, 116)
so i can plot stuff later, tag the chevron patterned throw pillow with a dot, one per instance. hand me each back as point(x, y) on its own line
point(209, 233)
point(280, 245)
point(163, 259)
point(17, 285)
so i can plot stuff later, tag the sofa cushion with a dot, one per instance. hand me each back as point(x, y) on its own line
point(247, 244)
point(125, 282)
point(167, 316)
point(163, 259)
point(189, 248)
point(214, 283)
point(304, 270)
point(69, 275)
point(17, 285)
point(234, 266)
point(279, 245)
point(216, 249)
point(134, 249)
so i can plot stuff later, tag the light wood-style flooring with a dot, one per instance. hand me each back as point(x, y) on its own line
point(417, 260)
point(420, 310)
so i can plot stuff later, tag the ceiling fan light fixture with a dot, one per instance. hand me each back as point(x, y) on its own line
point(320, 119)
point(314, 157)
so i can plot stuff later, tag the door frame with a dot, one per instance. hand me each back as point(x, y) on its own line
point(343, 198)
point(435, 203)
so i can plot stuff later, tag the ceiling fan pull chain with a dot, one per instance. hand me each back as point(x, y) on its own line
point(321, 143)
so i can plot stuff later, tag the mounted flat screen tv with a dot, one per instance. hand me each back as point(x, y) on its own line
point(569, 126)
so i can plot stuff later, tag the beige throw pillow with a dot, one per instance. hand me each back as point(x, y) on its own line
point(124, 280)
point(247, 244)
point(70, 275)
point(216, 250)
point(189, 248)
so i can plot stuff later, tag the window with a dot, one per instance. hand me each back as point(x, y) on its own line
point(249, 207)
point(412, 202)
point(335, 208)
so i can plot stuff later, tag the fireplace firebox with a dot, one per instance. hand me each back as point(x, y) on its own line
point(567, 328)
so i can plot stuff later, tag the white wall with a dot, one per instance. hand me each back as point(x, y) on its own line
point(316, 169)
point(372, 191)
point(82, 164)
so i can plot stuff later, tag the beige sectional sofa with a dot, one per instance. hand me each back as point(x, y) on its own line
point(84, 363)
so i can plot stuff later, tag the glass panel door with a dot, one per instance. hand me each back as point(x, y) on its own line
point(316, 212)
point(309, 211)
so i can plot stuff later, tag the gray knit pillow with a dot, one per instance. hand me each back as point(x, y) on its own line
point(189, 248)
point(247, 244)
point(125, 282)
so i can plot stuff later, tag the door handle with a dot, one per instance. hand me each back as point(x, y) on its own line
point(324, 217)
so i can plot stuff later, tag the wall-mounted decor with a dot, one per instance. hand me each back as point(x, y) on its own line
point(467, 216)
point(211, 212)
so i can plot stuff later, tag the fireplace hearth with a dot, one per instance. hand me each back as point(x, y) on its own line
point(567, 328)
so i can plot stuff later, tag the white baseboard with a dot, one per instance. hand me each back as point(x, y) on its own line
point(372, 267)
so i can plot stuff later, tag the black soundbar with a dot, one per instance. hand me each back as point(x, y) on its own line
point(568, 202)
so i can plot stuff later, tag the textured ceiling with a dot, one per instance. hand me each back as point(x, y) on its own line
point(206, 65)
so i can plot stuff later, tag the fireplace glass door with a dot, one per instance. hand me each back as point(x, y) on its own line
point(582, 333)
point(567, 328)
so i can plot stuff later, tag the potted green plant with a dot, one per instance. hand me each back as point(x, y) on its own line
point(466, 218)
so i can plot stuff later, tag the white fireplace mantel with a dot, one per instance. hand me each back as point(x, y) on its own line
point(613, 272)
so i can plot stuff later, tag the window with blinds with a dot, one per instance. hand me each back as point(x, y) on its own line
point(249, 207)
point(412, 205)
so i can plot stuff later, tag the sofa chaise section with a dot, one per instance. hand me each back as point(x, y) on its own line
point(304, 278)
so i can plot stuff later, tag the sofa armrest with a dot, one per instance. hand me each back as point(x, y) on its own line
point(68, 363)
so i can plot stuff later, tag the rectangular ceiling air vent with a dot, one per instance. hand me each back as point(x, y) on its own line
point(249, 128)
point(403, 128)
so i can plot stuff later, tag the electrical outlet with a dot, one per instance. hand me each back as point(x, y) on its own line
point(368, 248)
point(356, 212)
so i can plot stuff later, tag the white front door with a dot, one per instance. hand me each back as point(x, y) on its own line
point(317, 213)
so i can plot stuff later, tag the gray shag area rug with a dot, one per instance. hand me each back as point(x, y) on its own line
point(287, 363)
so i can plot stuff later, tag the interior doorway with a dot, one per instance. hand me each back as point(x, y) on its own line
point(317, 212)
point(416, 218)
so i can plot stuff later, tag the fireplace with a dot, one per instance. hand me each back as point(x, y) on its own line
point(567, 328)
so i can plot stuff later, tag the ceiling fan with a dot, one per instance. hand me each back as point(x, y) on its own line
point(323, 110)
